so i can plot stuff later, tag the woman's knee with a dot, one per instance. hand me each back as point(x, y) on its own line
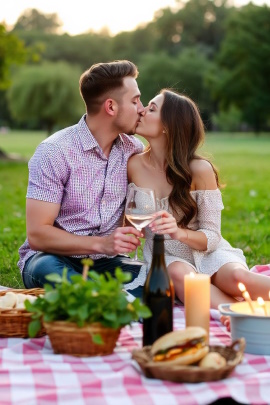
point(178, 270)
point(235, 271)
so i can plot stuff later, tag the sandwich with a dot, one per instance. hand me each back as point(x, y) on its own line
point(181, 347)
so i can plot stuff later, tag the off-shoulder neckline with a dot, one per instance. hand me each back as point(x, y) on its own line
point(192, 192)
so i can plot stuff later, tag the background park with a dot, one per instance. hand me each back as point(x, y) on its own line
point(217, 54)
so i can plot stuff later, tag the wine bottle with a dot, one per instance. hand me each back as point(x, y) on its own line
point(158, 295)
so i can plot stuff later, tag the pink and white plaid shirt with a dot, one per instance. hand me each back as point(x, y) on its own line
point(70, 168)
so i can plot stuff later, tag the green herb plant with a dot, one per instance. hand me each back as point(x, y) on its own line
point(100, 298)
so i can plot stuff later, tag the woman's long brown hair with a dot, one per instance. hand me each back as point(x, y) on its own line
point(185, 133)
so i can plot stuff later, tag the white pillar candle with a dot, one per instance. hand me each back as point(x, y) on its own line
point(197, 300)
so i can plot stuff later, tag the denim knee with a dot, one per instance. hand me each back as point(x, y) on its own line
point(40, 265)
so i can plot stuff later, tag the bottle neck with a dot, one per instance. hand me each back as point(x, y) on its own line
point(158, 247)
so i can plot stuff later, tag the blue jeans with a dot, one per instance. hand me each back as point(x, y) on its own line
point(38, 266)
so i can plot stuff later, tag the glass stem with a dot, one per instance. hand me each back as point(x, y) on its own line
point(135, 258)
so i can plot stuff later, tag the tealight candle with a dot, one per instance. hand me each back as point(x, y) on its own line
point(261, 302)
point(197, 300)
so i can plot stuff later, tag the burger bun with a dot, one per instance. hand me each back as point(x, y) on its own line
point(192, 340)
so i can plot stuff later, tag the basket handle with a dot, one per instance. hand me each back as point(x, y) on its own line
point(239, 344)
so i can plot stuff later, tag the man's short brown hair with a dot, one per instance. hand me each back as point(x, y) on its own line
point(102, 78)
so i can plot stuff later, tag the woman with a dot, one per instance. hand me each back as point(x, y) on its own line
point(189, 201)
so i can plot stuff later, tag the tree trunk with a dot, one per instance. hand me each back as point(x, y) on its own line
point(3, 155)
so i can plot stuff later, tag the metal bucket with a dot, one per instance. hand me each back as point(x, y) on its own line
point(254, 328)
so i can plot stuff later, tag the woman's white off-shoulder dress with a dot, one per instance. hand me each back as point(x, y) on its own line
point(208, 221)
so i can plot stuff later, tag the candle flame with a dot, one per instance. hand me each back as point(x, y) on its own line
point(261, 302)
point(241, 287)
point(247, 298)
point(246, 295)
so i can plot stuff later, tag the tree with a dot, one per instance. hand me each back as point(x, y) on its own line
point(156, 71)
point(195, 23)
point(184, 73)
point(12, 52)
point(33, 20)
point(243, 78)
point(47, 93)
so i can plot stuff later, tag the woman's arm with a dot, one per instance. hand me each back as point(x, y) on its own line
point(208, 234)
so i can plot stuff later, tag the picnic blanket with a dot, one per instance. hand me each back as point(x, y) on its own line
point(30, 374)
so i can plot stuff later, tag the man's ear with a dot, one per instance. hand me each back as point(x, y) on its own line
point(110, 106)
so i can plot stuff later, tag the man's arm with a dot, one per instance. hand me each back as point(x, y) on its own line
point(45, 237)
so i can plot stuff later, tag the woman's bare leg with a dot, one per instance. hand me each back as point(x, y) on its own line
point(219, 297)
point(229, 275)
point(177, 271)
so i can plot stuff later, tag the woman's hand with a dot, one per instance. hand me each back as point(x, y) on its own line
point(165, 223)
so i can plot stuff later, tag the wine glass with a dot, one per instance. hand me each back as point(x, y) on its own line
point(140, 207)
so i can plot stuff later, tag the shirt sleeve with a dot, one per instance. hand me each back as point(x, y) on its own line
point(210, 205)
point(47, 174)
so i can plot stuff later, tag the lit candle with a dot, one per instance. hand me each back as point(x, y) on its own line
point(197, 300)
point(241, 287)
point(247, 298)
point(261, 302)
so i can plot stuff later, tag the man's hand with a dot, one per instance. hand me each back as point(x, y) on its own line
point(45, 237)
point(122, 240)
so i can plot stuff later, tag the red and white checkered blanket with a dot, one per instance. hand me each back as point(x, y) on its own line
point(30, 374)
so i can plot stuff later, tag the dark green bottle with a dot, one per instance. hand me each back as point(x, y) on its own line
point(158, 295)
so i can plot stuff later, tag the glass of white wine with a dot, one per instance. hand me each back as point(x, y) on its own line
point(140, 207)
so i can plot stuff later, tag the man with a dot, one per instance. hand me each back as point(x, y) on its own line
point(78, 182)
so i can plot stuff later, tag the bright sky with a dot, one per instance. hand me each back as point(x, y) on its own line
point(83, 15)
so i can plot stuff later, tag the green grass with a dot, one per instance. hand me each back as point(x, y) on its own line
point(243, 163)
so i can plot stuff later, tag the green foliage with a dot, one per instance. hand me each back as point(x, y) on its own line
point(193, 23)
point(229, 120)
point(161, 69)
point(244, 61)
point(216, 53)
point(34, 20)
point(12, 52)
point(184, 73)
point(98, 299)
point(82, 50)
point(48, 93)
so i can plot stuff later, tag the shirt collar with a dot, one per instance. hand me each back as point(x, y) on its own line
point(88, 140)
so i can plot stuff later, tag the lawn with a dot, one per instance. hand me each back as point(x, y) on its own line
point(243, 163)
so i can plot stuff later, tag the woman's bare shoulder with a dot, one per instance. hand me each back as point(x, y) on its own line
point(135, 165)
point(203, 176)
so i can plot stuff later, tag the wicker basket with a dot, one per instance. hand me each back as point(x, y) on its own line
point(69, 338)
point(192, 373)
point(14, 322)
